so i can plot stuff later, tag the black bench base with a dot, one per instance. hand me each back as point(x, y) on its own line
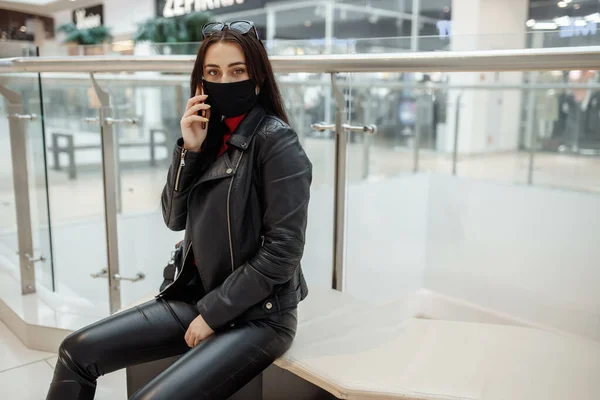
point(273, 384)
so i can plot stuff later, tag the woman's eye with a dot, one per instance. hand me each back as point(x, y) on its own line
point(238, 71)
point(212, 72)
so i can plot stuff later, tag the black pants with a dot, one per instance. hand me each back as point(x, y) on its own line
point(214, 369)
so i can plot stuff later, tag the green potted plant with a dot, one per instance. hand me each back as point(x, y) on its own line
point(86, 37)
point(174, 35)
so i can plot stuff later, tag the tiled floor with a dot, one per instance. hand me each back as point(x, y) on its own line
point(19, 365)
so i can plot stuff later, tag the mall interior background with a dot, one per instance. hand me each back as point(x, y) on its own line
point(495, 122)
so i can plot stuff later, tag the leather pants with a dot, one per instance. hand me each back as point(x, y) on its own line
point(215, 369)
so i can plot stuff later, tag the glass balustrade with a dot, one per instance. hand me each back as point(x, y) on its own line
point(473, 187)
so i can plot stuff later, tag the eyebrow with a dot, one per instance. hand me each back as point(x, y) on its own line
point(229, 66)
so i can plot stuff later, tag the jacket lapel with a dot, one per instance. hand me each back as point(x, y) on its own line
point(244, 133)
point(226, 165)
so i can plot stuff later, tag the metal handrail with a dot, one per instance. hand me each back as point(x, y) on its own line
point(178, 80)
point(450, 61)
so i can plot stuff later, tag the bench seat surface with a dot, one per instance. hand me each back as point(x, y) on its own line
point(359, 351)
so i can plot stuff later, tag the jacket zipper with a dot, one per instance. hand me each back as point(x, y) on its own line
point(181, 165)
point(229, 215)
point(184, 258)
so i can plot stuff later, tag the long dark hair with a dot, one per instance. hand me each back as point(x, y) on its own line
point(257, 62)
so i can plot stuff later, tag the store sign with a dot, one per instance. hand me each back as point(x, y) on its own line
point(176, 8)
point(574, 29)
point(90, 17)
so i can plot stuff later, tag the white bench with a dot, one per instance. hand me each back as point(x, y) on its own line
point(354, 350)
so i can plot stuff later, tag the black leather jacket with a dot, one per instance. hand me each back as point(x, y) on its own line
point(245, 219)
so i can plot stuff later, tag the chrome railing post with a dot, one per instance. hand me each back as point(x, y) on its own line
point(109, 170)
point(530, 133)
point(366, 156)
point(456, 131)
point(18, 151)
point(417, 135)
point(339, 213)
point(340, 176)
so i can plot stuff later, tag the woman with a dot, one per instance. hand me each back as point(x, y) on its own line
point(239, 185)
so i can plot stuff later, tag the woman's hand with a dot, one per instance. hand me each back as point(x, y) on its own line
point(194, 127)
point(197, 331)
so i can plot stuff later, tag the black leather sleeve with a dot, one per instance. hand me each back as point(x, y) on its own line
point(180, 180)
point(285, 177)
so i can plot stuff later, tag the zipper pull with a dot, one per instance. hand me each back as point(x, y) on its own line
point(183, 151)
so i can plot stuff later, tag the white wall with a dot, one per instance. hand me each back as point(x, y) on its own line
point(122, 17)
point(61, 18)
point(386, 237)
point(531, 252)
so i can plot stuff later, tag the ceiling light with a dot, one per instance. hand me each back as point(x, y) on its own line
point(580, 22)
point(595, 17)
point(576, 6)
point(307, 23)
point(373, 18)
point(562, 4)
point(23, 28)
point(567, 1)
point(530, 23)
point(545, 26)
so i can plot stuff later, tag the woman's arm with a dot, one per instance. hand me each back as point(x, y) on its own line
point(185, 162)
point(183, 172)
point(285, 178)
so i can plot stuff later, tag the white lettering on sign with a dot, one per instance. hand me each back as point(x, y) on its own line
point(178, 9)
point(174, 8)
point(83, 21)
point(168, 9)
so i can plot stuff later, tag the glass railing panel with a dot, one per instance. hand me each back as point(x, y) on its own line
point(485, 245)
point(24, 201)
point(75, 188)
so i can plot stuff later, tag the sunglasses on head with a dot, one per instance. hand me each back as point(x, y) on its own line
point(242, 27)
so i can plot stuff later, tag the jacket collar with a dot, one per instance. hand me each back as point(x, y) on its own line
point(245, 131)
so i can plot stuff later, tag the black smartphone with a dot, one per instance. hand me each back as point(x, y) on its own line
point(202, 113)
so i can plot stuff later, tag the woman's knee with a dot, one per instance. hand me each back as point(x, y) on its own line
point(78, 357)
point(71, 346)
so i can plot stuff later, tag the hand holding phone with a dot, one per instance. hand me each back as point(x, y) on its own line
point(194, 124)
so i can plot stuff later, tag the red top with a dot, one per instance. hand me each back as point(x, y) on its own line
point(232, 123)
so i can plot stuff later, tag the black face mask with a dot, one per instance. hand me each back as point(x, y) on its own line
point(232, 99)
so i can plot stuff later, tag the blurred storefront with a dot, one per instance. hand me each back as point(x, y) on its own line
point(21, 32)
